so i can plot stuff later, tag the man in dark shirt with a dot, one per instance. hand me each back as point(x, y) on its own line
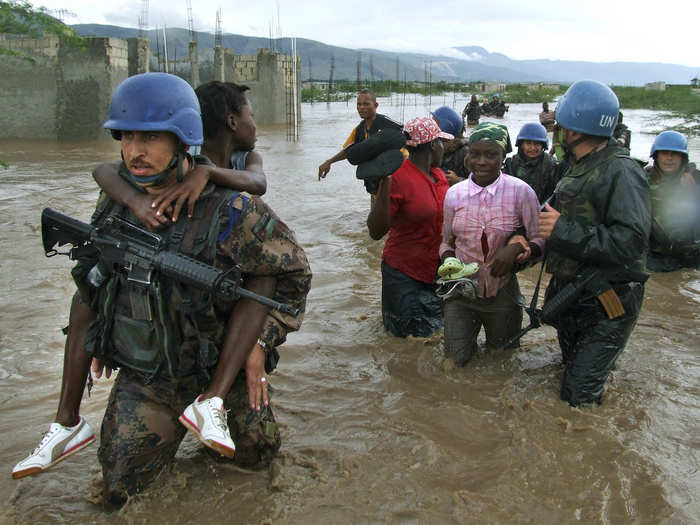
point(371, 123)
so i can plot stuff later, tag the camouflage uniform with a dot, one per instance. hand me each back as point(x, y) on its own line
point(453, 159)
point(675, 228)
point(605, 222)
point(472, 111)
point(140, 431)
point(541, 174)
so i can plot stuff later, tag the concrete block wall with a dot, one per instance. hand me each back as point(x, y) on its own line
point(139, 55)
point(28, 101)
point(28, 86)
point(219, 61)
point(194, 65)
point(245, 68)
point(87, 79)
point(64, 94)
point(47, 46)
point(269, 76)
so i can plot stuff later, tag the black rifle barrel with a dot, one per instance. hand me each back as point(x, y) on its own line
point(200, 275)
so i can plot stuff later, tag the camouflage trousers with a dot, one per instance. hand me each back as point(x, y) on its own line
point(141, 432)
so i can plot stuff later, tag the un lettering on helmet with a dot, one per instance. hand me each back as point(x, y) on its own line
point(608, 121)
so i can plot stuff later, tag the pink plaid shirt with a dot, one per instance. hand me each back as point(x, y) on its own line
point(496, 210)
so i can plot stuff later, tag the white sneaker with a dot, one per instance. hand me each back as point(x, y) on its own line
point(207, 419)
point(56, 445)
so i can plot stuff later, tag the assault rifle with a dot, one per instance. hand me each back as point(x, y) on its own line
point(593, 280)
point(126, 246)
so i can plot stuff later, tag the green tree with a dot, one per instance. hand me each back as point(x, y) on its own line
point(23, 19)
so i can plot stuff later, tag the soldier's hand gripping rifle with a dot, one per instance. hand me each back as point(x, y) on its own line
point(121, 244)
point(592, 280)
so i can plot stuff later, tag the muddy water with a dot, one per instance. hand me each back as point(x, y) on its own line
point(375, 429)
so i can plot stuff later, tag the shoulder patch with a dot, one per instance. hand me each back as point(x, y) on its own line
point(264, 227)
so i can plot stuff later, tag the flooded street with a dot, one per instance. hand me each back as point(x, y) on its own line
point(375, 429)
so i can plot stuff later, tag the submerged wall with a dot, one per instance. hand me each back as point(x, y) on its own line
point(53, 91)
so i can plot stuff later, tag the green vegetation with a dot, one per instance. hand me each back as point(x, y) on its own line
point(516, 93)
point(679, 99)
point(24, 20)
point(526, 93)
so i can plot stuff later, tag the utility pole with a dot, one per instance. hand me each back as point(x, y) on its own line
point(165, 50)
point(371, 73)
point(194, 53)
point(143, 19)
point(330, 80)
point(311, 81)
point(359, 64)
point(430, 84)
point(158, 49)
point(218, 50)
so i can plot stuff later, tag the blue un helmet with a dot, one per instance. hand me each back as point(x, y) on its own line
point(588, 107)
point(448, 120)
point(533, 131)
point(669, 141)
point(156, 102)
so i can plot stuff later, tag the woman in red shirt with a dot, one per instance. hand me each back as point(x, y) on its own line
point(409, 206)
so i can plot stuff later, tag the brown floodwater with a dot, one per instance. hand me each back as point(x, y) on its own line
point(375, 429)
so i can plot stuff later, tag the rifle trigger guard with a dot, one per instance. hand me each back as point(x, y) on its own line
point(217, 286)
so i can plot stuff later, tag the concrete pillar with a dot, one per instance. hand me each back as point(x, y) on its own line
point(229, 64)
point(194, 65)
point(139, 55)
point(86, 80)
point(219, 64)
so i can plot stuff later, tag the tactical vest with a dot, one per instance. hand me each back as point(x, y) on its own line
point(164, 325)
point(380, 122)
point(537, 173)
point(674, 228)
point(573, 196)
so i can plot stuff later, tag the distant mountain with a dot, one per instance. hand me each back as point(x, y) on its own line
point(567, 71)
point(477, 64)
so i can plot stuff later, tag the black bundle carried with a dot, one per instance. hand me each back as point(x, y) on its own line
point(377, 156)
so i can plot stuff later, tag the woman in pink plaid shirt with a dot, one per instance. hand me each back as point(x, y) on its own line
point(480, 215)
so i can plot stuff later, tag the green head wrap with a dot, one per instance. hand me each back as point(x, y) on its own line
point(490, 131)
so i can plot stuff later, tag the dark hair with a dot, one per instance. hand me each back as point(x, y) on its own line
point(216, 99)
point(369, 92)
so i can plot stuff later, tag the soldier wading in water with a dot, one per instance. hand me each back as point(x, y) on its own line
point(203, 366)
point(600, 220)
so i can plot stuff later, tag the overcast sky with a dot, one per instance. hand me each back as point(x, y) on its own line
point(591, 30)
